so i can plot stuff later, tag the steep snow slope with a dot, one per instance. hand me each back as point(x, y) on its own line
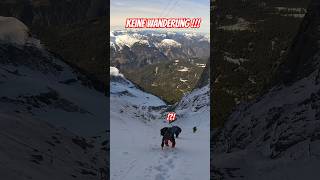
point(53, 123)
point(34, 81)
point(32, 149)
point(136, 120)
point(276, 137)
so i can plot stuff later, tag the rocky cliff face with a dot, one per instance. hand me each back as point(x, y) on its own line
point(250, 38)
point(205, 76)
point(74, 29)
point(53, 120)
point(304, 50)
point(50, 12)
point(277, 135)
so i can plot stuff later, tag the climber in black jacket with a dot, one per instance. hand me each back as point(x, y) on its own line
point(168, 135)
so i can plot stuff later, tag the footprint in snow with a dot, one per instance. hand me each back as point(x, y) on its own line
point(148, 169)
point(159, 177)
point(160, 168)
point(170, 161)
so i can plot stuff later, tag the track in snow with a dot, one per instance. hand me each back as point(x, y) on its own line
point(136, 152)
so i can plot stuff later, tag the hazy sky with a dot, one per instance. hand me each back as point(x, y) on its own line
point(122, 9)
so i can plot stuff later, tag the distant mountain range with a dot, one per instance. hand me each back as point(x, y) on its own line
point(140, 48)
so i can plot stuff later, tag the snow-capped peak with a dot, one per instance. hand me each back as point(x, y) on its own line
point(190, 35)
point(169, 42)
point(130, 39)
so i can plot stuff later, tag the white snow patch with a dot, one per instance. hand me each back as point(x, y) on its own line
point(291, 10)
point(252, 80)
point(14, 31)
point(156, 70)
point(294, 15)
point(183, 80)
point(241, 25)
point(113, 45)
point(184, 69)
point(190, 35)
point(169, 42)
point(115, 72)
point(112, 34)
point(201, 65)
point(130, 39)
point(237, 61)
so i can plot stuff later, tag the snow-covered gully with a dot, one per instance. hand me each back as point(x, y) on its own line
point(136, 120)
